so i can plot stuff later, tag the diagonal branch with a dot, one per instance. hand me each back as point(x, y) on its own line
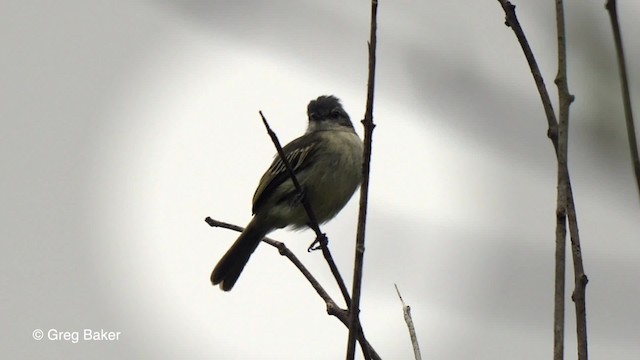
point(511, 20)
point(611, 7)
point(313, 222)
point(321, 238)
point(332, 308)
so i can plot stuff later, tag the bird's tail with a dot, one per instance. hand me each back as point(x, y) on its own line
point(228, 269)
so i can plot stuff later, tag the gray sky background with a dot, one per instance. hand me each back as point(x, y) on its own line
point(126, 123)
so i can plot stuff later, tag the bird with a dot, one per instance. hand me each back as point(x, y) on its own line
point(327, 162)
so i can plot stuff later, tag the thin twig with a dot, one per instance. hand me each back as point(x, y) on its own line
point(321, 238)
point(565, 100)
point(511, 20)
point(569, 210)
point(354, 309)
point(562, 156)
point(580, 284)
point(313, 222)
point(336, 273)
point(332, 308)
point(412, 330)
point(552, 133)
point(611, 7)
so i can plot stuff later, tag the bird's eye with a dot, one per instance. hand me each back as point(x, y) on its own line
point(313, 116)
point(335, 113)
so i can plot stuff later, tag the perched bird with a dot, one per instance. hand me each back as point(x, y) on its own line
point(327, 162)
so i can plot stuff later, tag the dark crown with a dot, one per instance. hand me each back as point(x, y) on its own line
point(325, 107)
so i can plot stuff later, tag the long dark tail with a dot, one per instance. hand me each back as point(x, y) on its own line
point(228, 270)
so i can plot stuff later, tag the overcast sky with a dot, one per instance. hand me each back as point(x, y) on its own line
point(126, 123)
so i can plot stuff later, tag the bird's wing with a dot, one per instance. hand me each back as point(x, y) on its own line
point(296, 154)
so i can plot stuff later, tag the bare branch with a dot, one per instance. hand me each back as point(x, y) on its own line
point(313, 222)
point(321, 238)
point(565, 100)
point(412, 330)
point(566, 205)
point(552, 133)
point(364, 190)
point(332, 308)
point(611, 7)
point(511, 20)
point(563, 174)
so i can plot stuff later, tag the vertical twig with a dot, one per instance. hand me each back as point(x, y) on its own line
point(564, 186)
point(552, 133)
point(412, 330)
point(611, 7)
point(354, 309)
point(562, 197)
point(565, 100)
